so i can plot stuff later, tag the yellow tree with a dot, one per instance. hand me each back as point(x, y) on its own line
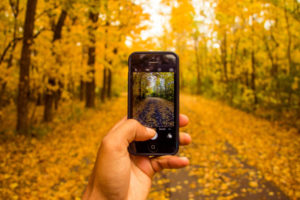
point(119, 20)
point(91, 84)
point(180, 33)
point(22, 116)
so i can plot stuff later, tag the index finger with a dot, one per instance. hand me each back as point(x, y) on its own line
point(183, 121)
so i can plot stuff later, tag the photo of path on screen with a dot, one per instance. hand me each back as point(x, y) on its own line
point(153, 98)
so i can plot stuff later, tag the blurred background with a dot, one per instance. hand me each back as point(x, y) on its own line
point(63, 84)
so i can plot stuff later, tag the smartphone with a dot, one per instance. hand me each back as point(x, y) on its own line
point(153, 100)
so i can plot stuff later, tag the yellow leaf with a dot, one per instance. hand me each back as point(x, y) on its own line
point(253, 184)
point(13, 185)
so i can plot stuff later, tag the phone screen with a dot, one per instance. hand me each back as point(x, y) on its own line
point(153, 99)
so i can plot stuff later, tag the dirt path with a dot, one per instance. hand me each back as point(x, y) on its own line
point(183, 184)
point(156, 112)
point(234, 155)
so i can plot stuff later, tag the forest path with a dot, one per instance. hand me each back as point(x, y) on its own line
point(156, 111)
point(234, 155)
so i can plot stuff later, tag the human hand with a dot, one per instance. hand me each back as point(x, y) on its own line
point(119, 175)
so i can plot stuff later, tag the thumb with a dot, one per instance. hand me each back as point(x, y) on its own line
point(131, 130)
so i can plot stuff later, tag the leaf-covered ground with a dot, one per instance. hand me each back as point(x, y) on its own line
point(234, 155)
point(155, 112)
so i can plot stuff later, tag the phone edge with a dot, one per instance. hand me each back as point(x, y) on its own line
point(177, 102)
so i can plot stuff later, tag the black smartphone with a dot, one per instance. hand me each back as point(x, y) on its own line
point(153, 100)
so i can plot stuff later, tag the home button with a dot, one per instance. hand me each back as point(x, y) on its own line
point(152, 147)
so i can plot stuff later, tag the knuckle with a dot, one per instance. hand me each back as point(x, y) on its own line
point(156, 166)
point(133, 125)
point(133, 122)
point(105, 141)
point(111, 144)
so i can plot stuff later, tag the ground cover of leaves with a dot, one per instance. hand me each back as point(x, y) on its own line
point(155, 112)
point(234, 155)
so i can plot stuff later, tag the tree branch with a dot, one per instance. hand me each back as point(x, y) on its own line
point(13, 41)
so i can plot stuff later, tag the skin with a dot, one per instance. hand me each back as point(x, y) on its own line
point(117, 175)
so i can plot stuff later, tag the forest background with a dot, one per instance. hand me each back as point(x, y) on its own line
point(243, 52)
point(60, 58)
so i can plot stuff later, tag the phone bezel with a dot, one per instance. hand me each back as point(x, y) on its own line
point(131, 151)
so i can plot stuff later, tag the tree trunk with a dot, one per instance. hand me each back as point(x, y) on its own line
point(82, 90)
point(247, 79)
point(57, 94)
point(109, 82)
point(253, 64)
point(103, 93)
point(234, 55)
point(106, 71)
point(198, 90)
point(48, 109)
point(90, 84)
point(292, 69)
point(90, 93)
point(224, 56)
point(253, 76)
point(289, 44)
point(39, 100)
point(22, 115)
point(57, 35)
point(274, 68)
point(50, 95)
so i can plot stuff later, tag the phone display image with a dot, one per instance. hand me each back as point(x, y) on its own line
point(153, 98)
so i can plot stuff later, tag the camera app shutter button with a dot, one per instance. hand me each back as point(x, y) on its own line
point(155, 137)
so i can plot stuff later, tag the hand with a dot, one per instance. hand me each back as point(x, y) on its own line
point(119, 175)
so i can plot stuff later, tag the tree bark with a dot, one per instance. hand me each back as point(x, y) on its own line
point(224, 56)
point(48, 109)
point(247, 79)
point(22, 106)
point(109, 82)
point(50, 95)
point(82, 90)
point(90, 84)
point(57, 35)
point(57, 94)
point(253, 67)
point(39, 100)
point(196, 49)
point(253, 76)
point(103, 93)
point(253, 64)
point(289, 44)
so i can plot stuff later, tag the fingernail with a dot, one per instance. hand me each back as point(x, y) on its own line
point(189, 135)
point(184, 158)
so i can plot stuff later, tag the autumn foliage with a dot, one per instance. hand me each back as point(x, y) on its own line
point(63, 74)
